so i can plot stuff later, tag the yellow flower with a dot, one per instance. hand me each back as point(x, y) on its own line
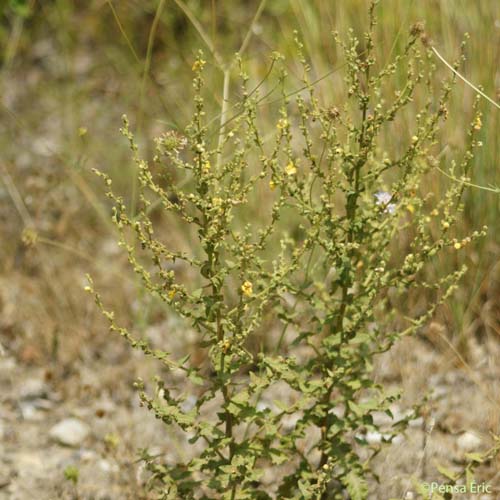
point(291, 169)
point(247, 288)
point(478, 123)
point(410, 208)
point(171, 294)
point(457, 245)
point(272, 185)
point(282, 124)
point(198, 65)
point(29, 237)
point(206, 167)
point(226, 344)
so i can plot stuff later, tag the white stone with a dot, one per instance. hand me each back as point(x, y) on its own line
point(107, 466)
point(261, 406)
point(69, 432)
point(290, 421)
point(468, 442)
point(417, 422)
point(189, 403)
point(373, 437)
point(29, 411)
point(33, 389)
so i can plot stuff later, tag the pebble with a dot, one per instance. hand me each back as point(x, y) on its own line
point(33, 389)
point(69, 432)
point(33, 409)
point(87, 455)
point(189, 403)
point(417, 422)
point(468, 442)
point(373, 437)
point(107, 466)
point(30, 412)
point(290, 421)
point(7, 364)
point(440, 391)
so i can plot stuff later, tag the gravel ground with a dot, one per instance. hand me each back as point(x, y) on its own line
point(89, 418)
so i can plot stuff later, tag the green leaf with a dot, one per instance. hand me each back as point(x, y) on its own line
point(305, 489)
point(240, 397)
point(354, 384)
point(71, 473)
point(356, 486)
point(356, 409)
point(278, 457)
point(453, 476)
point(183, 359)
point(475, 457)
point(195, 377)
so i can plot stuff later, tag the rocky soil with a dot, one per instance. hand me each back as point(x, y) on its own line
point(88, 420)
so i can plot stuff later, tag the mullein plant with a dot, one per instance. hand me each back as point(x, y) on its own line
point(303, 240)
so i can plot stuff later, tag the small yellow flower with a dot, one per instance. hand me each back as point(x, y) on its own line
point(206, 167)
point(445, 224)
point(247, 288)
point(198, 65)
point(291, 169)
point(478, 123)
point(435, 212)
point(457, 246)
point(112, 440)
point(29, 237)
point(226, 344)
point(171, 294)
point(410, 208)
point(414, 139)
point(282, 124)
point(272, 185)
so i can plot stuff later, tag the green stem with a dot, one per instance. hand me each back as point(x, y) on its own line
point(352, 205)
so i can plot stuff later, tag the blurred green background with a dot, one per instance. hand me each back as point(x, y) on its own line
point(70, 69)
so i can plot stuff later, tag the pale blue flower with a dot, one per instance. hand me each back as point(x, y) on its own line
point(384, 199)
